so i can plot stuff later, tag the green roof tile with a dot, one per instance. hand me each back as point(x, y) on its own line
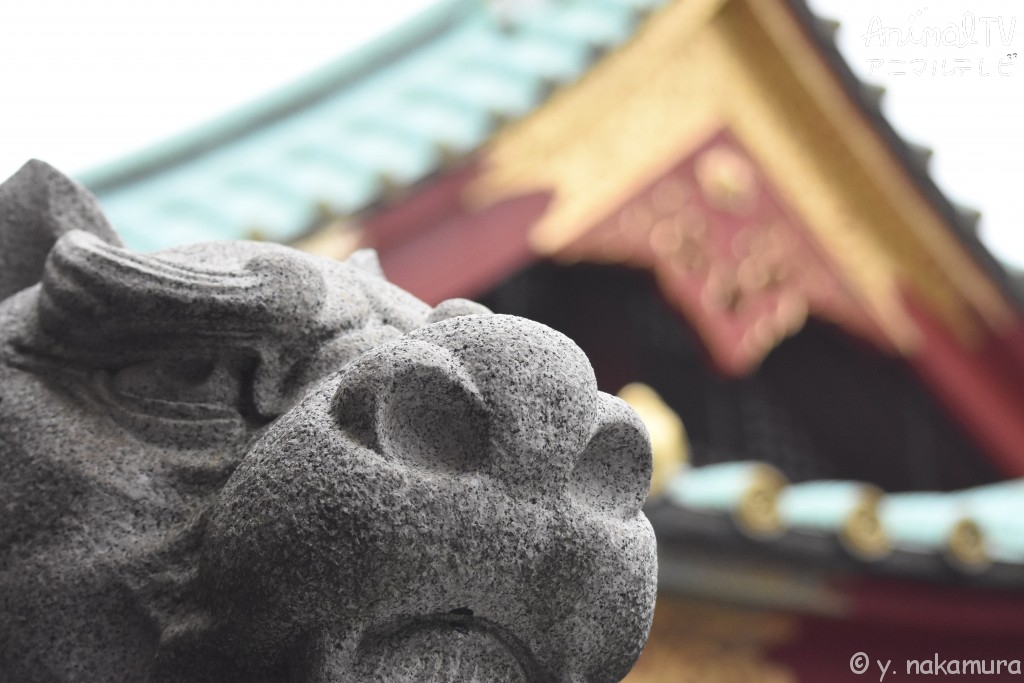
point(968, 530)
point(390, 113)
point(822, 505)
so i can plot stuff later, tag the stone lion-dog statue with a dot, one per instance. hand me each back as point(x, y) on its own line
point(237, 462)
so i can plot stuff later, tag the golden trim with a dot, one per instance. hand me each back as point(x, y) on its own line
point(804, 156)
point(599, 140)
point(862, 533)
point(931, 234)
point(966, 547)
point(757, 512)
point(699, 65)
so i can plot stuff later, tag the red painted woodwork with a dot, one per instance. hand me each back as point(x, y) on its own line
point(426, 206)
point(729, 253)
point(980, 386)
point(896, 621)
point(464, 255)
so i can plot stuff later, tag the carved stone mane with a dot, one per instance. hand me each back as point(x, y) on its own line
point(238, 462)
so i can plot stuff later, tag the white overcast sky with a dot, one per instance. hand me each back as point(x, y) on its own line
point(82, 83)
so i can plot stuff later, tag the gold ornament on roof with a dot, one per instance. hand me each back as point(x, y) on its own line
point(726, 179)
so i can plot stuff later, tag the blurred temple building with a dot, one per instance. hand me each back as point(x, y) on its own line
point(701, 194)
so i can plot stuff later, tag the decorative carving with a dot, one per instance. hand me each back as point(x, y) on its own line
point(728, 253)
point(726, 179)
point(238, 462)
point(699, 66)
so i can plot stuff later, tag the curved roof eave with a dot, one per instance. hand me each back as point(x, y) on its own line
point(962, 220)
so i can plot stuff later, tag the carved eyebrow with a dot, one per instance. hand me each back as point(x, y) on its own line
point(94, 293)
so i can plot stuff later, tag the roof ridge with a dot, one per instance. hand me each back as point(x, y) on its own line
point(963, 220)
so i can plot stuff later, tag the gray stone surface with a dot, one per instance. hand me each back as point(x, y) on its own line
point(236, 462)
point(37, 206)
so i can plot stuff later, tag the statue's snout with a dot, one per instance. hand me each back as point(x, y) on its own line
point(471, 468)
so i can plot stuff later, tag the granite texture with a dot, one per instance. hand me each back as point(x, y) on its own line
point(237, 462)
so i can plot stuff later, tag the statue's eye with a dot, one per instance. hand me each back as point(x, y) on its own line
point(199, 400)
point(196, 380)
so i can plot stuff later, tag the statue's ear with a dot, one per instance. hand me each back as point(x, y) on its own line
point(38, 204)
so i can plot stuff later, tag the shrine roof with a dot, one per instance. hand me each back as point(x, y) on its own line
point(354, 133)
point(348, 135)
point(740, 512)
point(963, 220)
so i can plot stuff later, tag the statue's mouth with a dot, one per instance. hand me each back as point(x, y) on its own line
point(452, 647)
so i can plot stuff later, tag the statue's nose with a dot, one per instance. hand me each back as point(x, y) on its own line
point(538, 387)
point(488, 393)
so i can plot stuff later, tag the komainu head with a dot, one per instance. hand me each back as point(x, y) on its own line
point(237, 462)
